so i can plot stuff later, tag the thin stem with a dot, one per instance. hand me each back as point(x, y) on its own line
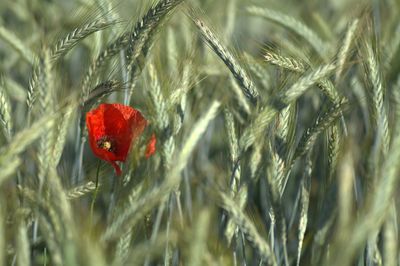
point(95, 194)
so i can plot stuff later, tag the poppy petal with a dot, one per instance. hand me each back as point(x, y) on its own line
point(118, 171)
point(115, 123)
point(112, 129)
point(95, 122)
point(97, 129)
point(127, 111)
point(151, 146)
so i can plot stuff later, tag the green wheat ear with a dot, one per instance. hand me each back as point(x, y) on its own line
point(5, 111)
point(277, 128)
point(239, 73)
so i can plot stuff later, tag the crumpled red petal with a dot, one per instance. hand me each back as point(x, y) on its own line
point(112, 129)
point(151, 146)
point(118, 171)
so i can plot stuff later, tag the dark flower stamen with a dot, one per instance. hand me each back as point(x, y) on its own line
point(106, 143)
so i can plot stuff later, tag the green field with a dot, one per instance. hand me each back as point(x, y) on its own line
point(241, 132)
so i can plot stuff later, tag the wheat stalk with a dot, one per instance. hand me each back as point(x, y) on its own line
point(200, 232)
point(305, 201)
point(378, 108)
point(23, 250)
point(238, 72)
point(345, 48)
point(73, 38)
point(17, 44)
point(81, 191)
point(284, 62)
point(321, 123)
point(131, 215)
point(5, 111)
point(248, 228)
point(293, 24)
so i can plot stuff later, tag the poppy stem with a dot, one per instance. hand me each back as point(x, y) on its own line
point(97, 174)
point(113, 192)
point(94, 194)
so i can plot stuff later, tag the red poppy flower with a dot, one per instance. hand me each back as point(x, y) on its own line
point(112, 129)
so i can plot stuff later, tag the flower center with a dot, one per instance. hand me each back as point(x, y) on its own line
point(106, 143)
